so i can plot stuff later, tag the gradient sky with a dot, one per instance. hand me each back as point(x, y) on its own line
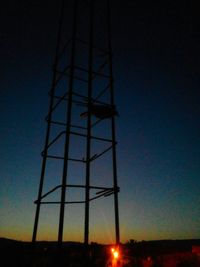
point(156, 70)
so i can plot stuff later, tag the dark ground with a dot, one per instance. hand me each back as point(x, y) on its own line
point(47, 254)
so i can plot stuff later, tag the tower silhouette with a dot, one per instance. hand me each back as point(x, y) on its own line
point(80, 135)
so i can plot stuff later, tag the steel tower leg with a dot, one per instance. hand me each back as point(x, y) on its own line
point(88, 152)
point(68, 126)
point(115, 183)
point(48, 128)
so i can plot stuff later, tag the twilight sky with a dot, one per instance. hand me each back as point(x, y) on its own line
point(156, 71)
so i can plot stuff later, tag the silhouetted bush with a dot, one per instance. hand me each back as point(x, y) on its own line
point(192, 262)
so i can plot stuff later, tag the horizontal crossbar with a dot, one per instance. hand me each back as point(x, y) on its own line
point(104, 191)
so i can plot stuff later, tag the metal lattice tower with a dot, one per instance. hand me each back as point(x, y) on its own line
point(81, 117)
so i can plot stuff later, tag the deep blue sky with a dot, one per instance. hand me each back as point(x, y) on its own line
point(156, 70)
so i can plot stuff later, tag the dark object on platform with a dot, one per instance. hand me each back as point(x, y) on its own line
point(101, 111)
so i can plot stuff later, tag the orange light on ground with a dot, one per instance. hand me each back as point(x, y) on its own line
point(115, 253)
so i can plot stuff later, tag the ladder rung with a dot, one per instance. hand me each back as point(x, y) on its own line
point(59, 202)
point(54, 157)
point(74, 101)
point(58, 123)
point(92, 99)
point(78, 160)
point(72, 125)
point(92, 137)
point(95, 47)
point(103, 189)
point(96, 73)
point(78, 127)
point(58, 157)
point(75, 77)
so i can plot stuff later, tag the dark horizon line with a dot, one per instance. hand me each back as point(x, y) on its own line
point(94, 242)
